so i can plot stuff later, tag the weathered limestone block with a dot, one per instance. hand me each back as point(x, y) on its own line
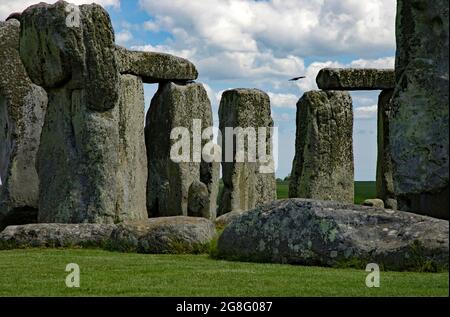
point(355, 79)
point(22, 112)
point(86, 127)
point(323, 162)
point(247, 183)
point(170, 181)
point(155, 67)
point(385, 183)
point(419, 125)
point(311, 232)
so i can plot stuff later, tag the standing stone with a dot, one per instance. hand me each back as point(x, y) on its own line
point(174, 187)
point(385, 183)
point(419, 125)
point(323, 162)
point(22, 111)
point(198, 200)
point(247, 183)
point(131, 179)
point(70, 51)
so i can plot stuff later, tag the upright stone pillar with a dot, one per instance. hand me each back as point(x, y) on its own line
point(131, 177)
point(323, 164)
point(419, 124)
point(247, 183)
point(385, 183)
point(22, 112)
point(70, 51)
point(187, 186)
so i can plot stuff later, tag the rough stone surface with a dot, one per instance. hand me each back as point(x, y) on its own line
point(55, 235)
point(377, 203)
point(131, 179)
point(79, 158)
point(22, 112)
point(82, 57)
point(419, 125)
point(227, 218)
point(14, 15)
point(323, 162)
point(355, 79)
point(155, 67)
point(385, 183)
point(198, 200)
point(177, 234)
point(308, 232)
point(246, 184)
point(169, 182)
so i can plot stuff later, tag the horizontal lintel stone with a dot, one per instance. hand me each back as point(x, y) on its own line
point(355, 79)
point(154, 67)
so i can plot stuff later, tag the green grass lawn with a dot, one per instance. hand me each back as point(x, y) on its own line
point(363, 190)
point(282, 190)
point(40, 272)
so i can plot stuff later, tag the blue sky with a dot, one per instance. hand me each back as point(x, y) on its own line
point(261, 44)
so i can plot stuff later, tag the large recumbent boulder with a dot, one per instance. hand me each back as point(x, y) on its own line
point(177, 234)
point(51, 235)
point(327, 233)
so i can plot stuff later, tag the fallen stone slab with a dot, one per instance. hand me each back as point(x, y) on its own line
point(377, 203)
point(355, 79)
point(227, 218)
point(55, 235)
point(177, 234)
point(155, 67)
point(326, 233)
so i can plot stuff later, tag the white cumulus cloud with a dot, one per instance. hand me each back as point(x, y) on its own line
point(267, 41)
point(367, 112)
point(124, 37)
point(281, 100)
point(296, 26)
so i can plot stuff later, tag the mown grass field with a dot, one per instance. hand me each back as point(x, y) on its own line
point(363, 190)
point(38, 272)
point(41, 272)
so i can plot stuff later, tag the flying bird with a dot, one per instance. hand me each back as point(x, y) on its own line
point(297, 78)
